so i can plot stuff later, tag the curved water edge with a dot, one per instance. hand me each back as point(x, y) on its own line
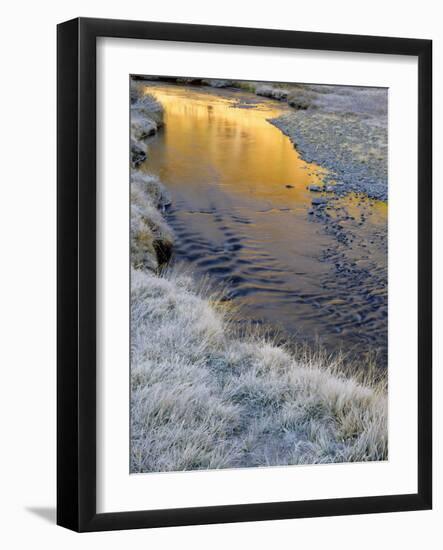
point(246, 209)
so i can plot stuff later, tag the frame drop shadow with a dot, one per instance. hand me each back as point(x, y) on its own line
point(45, 512)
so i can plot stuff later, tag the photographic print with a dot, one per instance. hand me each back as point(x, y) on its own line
point(259, 297)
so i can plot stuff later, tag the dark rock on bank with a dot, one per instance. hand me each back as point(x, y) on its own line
point(315, 188)
point(319, 201)
point(163, 250)
point(138, 152)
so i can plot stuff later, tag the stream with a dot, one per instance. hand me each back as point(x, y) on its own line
point(242, 213)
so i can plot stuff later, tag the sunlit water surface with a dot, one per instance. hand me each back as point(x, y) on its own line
point(240, 212)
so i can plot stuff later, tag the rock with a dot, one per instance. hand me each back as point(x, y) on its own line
point(142, 127)
point(319, 201)
point(298, 103)
point(315, 188)
point(289, 186)
point(146, 106)
point(269, 91)
point(163, 250)
point(146, 119)
point(217, 83)
point(156, 192)
point(138, 152)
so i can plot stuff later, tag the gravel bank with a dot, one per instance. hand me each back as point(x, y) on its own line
point(343, 129)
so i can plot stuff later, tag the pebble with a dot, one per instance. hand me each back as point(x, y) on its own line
point(318, 201)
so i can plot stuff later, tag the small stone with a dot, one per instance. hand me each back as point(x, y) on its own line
point(289, 186)
point(319, 201)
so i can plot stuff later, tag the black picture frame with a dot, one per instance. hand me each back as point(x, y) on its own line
point(76, 280)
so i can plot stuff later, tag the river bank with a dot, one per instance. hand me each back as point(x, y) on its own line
point(203, 397)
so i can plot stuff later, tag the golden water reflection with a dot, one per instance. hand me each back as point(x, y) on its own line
point(234, 146)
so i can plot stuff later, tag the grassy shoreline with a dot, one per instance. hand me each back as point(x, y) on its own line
point(201, 396)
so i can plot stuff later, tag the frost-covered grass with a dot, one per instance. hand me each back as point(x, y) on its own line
point(146, 119)
point(151, 237)
point(204, 398)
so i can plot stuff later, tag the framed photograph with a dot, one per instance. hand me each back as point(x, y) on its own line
point(244, 274)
